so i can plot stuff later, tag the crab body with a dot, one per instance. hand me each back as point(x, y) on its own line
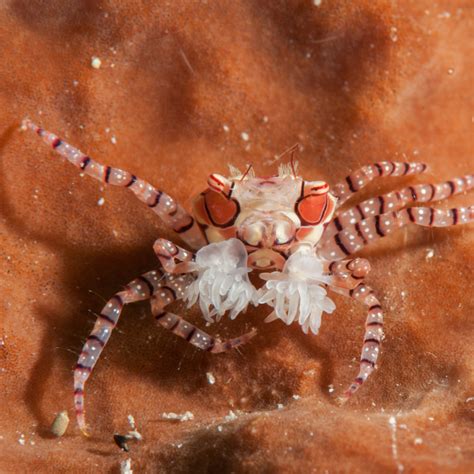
point(283, 223)
point(272, 216)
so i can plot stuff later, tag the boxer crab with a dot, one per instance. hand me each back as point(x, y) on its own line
point(281, 223)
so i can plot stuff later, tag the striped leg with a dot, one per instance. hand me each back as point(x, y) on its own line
point(354, 237)
point(372, 337)
point(169, 254)
point(397, 200)
point(348, 273)
point(162, 204)
point(363, 176)
point(173, 289)
point(141, 288)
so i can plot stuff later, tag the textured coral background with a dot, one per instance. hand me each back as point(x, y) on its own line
point(353, 82)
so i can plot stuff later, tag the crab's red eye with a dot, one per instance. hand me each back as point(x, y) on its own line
point(315, 204)
point(221, 210)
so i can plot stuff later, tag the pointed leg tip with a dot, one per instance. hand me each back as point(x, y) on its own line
point(341, 400)
point(85, 432)
point(24, 124)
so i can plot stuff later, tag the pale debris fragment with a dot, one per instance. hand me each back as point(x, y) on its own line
point(134, 432)
point(394, 33)
point(96, 62)
point(429, 253)
point(317, 3)
point(245, 136)
point(392, 421)
point(60, 424)
point(226, 128)
point(101, 201)
point(418, 441)
point(231, 416)
point(113, 140)
point(296, 397)
point(186, 416)
point(21, 439)
point(126, 467)
point(211, 380)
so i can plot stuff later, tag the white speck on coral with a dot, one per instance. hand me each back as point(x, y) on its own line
point(394, 33)
point(418, 441)
point(331, 388)
point(429, 253)
point(231, 416)
point(211, 380)
point(296, 397)
point(113, 139)
point(96, 62)
point(101, 201)
point(226, 128)
point(317, 3)
point(245, 136)
point(280, 406)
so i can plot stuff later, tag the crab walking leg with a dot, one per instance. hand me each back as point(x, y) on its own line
point(372, 337)
point(169, 253)
point(182, 328)
point(354, 237)
point(165, 206)
point(363, 176)
point(348, 273)
point(396, 200)
point(141, 288)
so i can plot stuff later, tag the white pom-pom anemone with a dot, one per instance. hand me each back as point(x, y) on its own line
point(222, 282)
point(296, 293)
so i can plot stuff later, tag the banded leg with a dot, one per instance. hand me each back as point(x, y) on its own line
point(173, 288)
point(165, 206)
point(396, 200)
point(354, 237)
point(363, 176)
point(141, 288)
point(169, 254)
point(372, 337)
point(348, 273)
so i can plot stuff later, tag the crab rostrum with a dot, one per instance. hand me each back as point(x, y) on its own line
point(286, 228)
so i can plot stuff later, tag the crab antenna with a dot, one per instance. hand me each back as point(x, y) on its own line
point(247, 171)
point(291, 150)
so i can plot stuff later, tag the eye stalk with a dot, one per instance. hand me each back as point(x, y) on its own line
point(220, 184)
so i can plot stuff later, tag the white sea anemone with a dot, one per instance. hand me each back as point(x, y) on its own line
point(296, 293)
point(222, 282)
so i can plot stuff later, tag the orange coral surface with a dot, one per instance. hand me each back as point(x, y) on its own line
point(179, 83)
